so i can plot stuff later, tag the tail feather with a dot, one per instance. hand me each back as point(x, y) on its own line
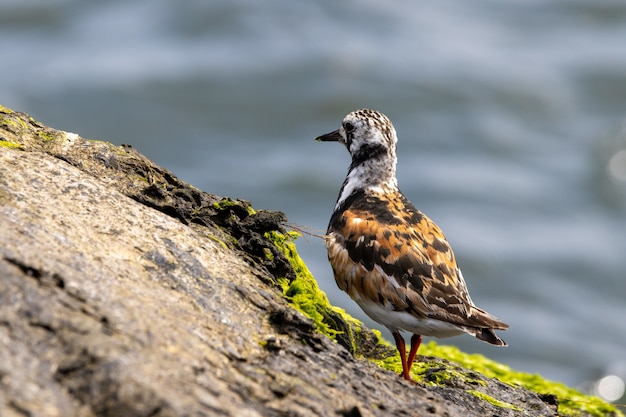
point(486, 331)
point(489, 336)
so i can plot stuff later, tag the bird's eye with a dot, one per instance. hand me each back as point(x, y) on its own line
point(348, 127)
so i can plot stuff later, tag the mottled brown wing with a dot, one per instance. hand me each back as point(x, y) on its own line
point(392, 237)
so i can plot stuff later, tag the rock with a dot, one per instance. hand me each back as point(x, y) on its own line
point(126, 292)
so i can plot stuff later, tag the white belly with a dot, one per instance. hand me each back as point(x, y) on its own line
point(399, 320)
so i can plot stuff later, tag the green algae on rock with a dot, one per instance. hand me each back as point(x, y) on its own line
point(10, 145)
point(571, 402)
point(493, 401)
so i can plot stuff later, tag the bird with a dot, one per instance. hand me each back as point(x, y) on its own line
point(389, 257)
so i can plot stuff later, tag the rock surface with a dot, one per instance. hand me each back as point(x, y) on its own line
point(126, 292)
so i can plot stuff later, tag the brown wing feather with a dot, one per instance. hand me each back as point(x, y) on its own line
point(374, 239)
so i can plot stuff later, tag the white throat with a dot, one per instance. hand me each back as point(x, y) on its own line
point(373, 175)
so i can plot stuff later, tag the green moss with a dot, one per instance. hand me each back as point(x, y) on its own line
point(438, 373)
point(306, 296)
point(268, 254)
point(219, 241)
point(14, 122)
point(493, 401)
point(390, 363)
point(48, 136)
point(11, 145)
point(227, 203)
point(303, 291)
point(571, 401)
point(120, 150)
point(5, 110)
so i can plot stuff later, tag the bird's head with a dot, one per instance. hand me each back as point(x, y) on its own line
point(366, 134)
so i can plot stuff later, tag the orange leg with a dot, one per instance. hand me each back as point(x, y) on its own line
point(416, 341)
point(402, 349)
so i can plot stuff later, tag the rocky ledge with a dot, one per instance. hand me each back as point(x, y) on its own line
point(126, 292)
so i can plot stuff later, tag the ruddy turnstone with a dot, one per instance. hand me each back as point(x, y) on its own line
point(387, 255)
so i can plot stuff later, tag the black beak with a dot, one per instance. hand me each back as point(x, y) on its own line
point(330, 137)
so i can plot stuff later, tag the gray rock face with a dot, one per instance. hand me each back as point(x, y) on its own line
point(125, 292)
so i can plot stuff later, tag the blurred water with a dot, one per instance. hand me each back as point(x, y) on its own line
point(511, 118)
